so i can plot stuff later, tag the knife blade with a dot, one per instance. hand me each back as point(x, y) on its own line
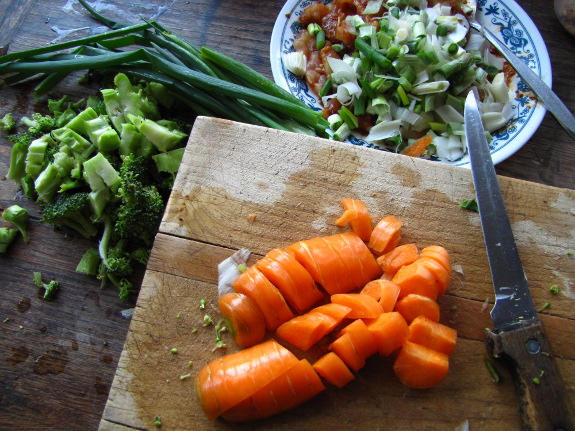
point(518, 337)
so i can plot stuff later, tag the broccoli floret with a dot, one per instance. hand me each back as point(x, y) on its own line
point(7, 235)
point(19, 217)
point(141, 205)
point(50, 288)
point(7, 123)
point(71, 210)
point(39, 124)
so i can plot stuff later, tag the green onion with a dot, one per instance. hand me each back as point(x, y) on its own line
point(326, 88)
point(348, 117)
point(320, 40)
point(313, 29)
point(372, 54)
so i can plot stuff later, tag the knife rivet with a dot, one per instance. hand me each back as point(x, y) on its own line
point(533, 346)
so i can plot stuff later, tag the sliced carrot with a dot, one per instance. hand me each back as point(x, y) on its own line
point(223, 383)
point(433, 335)
point(357, 216)
point(243, 318)
point(385, 235)
point(400, 256)
point(416, 278)
point(418, 147)
point(361, 338)
point(362, 306)
point(419, 367)
point(298, 384)
point(414, 305)
point(291, 278)
point(390, 331)
point(306, 330)
point(254, 284)
point(345, 349)
point(442, 275)
point(330, 259)
point(360, 263)
point(438, 253)
point(333, 369)
point(385, 292)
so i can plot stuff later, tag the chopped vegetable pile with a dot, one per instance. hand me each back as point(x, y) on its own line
point(102, 167)
point(395, 71)
point(345, 298)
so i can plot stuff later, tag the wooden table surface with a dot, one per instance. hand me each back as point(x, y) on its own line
point(57, 359)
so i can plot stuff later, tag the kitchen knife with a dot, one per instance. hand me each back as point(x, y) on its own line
point(518, 337)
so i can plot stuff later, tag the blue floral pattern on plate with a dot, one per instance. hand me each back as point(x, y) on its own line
point(503, 17)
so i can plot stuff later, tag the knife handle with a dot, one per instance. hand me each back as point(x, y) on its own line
point(543, 401)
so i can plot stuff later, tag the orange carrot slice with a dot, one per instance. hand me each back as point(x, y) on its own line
point(333, 369)
point(416, 278)
point(400, 256)
point(362, 306)
point(438, 253)
point(243, 318)
point(306, 330)
point(329, 261)
point(414, 305)
point(442, 275)
point(298, 384)
point(361, 338)
point(390, 331)
point(383, 291)
point(357, 216)
point(345, 349)
point(291, 278)
point(419, 367)
point(433, 335)
point(385, 235)
point(223, 383)
point(270, 301)
point(418, 147)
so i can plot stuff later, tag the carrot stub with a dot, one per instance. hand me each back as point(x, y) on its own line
point(306, 330)
point(418, 147)
point(383, 291)
point(390, 331)
point(362, 306)
point(385, 235)
point(357, 216)
point(413, 305)
point(333, 369)
point(243, 318)
point(432, 335)
point(419, 367)
point(292, 388)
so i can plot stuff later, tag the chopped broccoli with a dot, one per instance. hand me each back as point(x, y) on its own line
point(71, 210)
point(7, 235)
point(37, 157)
point(39, 124)
point(19, 217)
point(50, 288)
point(90, 262)
point(97, 128)
point(164, 136)
point(7, 123)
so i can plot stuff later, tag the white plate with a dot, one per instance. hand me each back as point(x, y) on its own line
point(505, 18)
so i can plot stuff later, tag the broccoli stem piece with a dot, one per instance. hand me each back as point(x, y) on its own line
point(50, 288)
point(89, 263)
point(7, 235)
point(19, 217)
point(35, 159)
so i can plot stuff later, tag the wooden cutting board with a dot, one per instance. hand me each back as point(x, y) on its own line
point(243, 186)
